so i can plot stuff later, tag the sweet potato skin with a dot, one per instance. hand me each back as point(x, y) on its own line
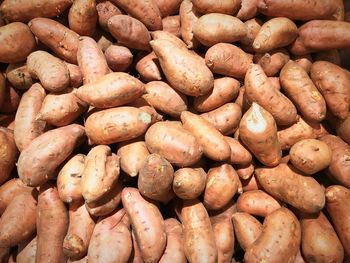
point(189, 183)
point(188, 16)
point(119, 58)
point(253, 27)
point(343, 129)
point(82, 17)
point(148, 67)
point(27, 252)
point(9, 190)
point(272, 62)
point(239, 154)
point(8, 153)
point(221, 6)
point(172, 24)
point(45, 153)
point(168, 8)
point(105, 11)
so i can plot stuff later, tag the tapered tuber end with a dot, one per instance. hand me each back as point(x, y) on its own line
point(255, 120)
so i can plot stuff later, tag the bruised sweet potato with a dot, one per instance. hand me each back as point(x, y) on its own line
point(82, 17)
point(8, 153)
point(189, 183)
point(119, 58)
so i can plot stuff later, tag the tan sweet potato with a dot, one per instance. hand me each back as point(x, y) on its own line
point(305, 61)
point(209, 138)
point(310, 155)
point(188, 17)
point(258, 132)
point(308, 42)
point(119, 58)
point(214, 28)
point(258, 89)
point(52, 226)
point(253, 27)
point(81, 225)
point(27, 127)
point(44, 154)
point(8, 153)
point(9, 190)
point(164, 98)
point(111, 90)
point(334, 84)
point(63, 41)
point(129, 32)
point(185, 70)
point(319, 241)
point(257, 203)
point(225, 90)
point(17, 74)
point(168, 36)
point(342, 129)
point(27, 252)
point(227, 59)
point(171, 141)
point(302, 91)
point(111, 230)
point(297, 9)
point(168, 7)
point(156, 178)
point(222, 184)
point(82, 17)
point(248, 9)
point(304, 193)
point(100, 173)
point(279, 240)
point(337, 206)
point(52, 73)
point(116, 125)
point(23, 11)
point(91, 60)
point(16, 40)
point(172, 25)
point(69, 179)
point(189, 183)
point(105, 10)
point(272, 62)
point(339, 167)
point(225, 118)
point(239, 154)
point(148, 67)
point(148, 224)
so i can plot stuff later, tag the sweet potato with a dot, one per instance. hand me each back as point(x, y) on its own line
point(189, 183)
point(174, 251)
point(110, 230)
point(168, 8)
point(304, 193)
point(129, 32)
point(116, 125)
point(11, 100)
point(63, 41)
point(334, 84)
point(297, 9)
point(23, 11)
point(91, 60)
point(279, 240)
point(339, 167)
point(253, 27)
point(227, 59)
point(168, 36)
point(148, 67)
point(248, 9)
point(27, 127)
point(188, 17)
point(250, 183)
point(164, 98)
point(17, 74)
point(222, 184)
point(247, 229)
point(52, 225)
point(119, 58)
point(302, 91)
point(100, 173)
point(9, 190)
point(105, 11)
point(308, 42)
point(258, 132)
point(245, 171)
point(272, 62)
point(156, 178)
point(108, 203)
point(148, 224)
point(136, 256)
point(172, 24)
point(81, 225)
point(51, 71)
point(225, 118)
point(305, 61)
point(82, 17)
point(239, 154)
point(27, 252)
point(145, 11)
point(319, 241)
point(8, 153)
point(337, 206)
point(210, 139)
point(216, 28)
point(143, 105)
point(44, 154)
point(258, 89)
point(17, 42)
point(75, 75)
point(310, 156)
point(18, 221)
point(225, 90)
point(342, 129)
point(257, 203)
point(276, 33)
point(185, 70)
point(69, 179)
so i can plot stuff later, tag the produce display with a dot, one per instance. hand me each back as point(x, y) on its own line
point(174, 131)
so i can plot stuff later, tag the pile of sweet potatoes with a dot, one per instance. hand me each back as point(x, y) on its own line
point(174, 131)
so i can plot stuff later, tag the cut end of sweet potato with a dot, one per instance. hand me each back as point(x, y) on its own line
point(255, 120)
